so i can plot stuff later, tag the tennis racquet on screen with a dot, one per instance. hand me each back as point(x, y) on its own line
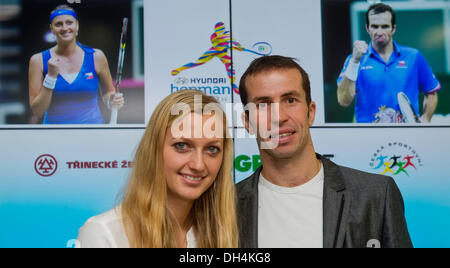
point(123, 44)
point(407, 109)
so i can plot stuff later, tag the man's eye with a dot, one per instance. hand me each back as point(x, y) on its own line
point(263, 104)
point(292, 100)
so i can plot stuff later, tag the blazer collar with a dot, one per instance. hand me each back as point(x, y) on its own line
point(252, 186)
point(333, 176)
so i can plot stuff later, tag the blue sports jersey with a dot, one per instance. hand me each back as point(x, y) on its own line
point(379, 83)
point(75, 103)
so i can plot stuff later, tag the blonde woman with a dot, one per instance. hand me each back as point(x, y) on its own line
point(180, 192)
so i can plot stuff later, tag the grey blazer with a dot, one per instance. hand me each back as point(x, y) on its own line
point(359, 210)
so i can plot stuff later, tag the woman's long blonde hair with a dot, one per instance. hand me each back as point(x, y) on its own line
point(146, 217)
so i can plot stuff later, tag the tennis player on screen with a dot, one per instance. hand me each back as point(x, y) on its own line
point(376, 73)
point(64, 80)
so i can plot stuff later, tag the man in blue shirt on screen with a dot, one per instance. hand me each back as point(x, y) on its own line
point(378, 72)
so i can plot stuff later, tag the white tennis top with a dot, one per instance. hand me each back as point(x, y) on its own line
point(107, 231)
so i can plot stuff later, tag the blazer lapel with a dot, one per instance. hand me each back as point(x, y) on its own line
point(336, 206)
point(248, 212)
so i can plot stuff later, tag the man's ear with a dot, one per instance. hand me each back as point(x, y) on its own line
point(312, 113)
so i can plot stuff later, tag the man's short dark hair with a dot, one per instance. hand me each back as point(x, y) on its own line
point(380, 8)
point(268, 63)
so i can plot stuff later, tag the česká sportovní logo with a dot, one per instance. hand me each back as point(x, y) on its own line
point(45, 165)
point(396, 158)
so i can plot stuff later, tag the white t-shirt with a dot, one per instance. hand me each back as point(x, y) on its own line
point(107, 231)
point(291, 217)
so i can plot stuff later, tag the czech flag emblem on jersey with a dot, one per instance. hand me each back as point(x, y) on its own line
point(89, 76)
